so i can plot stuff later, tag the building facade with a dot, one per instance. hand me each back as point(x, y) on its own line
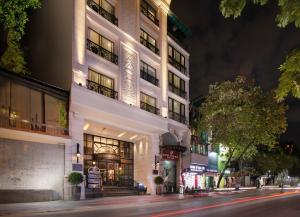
point(33, 138)
point(200, 167)
point(128, 78)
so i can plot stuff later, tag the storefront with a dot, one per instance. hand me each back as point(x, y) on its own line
point(194, 177)
point(170, 162)
point(113, 157)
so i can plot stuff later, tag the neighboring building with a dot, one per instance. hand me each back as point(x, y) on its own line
point(129, 84)
point(201, 161)
point(33, 139)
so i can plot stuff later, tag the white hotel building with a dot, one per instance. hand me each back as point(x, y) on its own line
point(129, 85)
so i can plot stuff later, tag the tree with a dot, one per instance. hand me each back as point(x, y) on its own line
point(13, 16)
point(289, 12)
point(240, 118)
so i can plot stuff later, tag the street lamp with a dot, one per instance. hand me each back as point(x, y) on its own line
point(78, 153)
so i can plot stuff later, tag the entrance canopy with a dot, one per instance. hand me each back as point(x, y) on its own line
point(170, 142)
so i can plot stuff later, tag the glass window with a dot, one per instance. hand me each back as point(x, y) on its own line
point(107, 44)
point(52, 110)
point(148, 69)
point(4, 96)
point(20, 102)
point(176, 107)
point(148, 99)
point(101, 79)
point(94, 36)
point(107, 6)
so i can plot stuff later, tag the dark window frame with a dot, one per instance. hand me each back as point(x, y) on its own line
point(180, 117)
point(146, 42)
point(172, 59)
point(98, 7)
point(98, 48)
point(180, 91)
point(146, 8)
point(146, 75)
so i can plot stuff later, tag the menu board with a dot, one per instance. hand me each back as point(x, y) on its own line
point(94, 180)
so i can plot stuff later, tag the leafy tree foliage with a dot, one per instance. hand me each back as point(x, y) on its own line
point(13, 16)
point(240, 118)
point(289, 13)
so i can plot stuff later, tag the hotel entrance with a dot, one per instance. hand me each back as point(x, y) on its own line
point(113, 157)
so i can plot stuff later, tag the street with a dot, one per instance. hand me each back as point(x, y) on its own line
point(242, 204)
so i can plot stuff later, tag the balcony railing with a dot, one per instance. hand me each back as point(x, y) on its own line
point(91, 85)
point(178, 65)
point(149, 108)
point(146, 76)
point(177, 117)
point(149, 45)
point(149, 15)
point(34, 127)
point(97, 8)
point(177, 91)
point(97, 49)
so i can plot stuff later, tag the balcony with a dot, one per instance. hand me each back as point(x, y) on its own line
point(149, 15)
point(149, 45)
point(10, 122)
point(149, 108)
point(100, 51)
point(146, 76)
point(177, 65)
point(97, 8)
point(177, 91)
point(91, 85)
point(177, 117)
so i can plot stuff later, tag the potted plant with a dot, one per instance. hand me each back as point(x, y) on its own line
point(75, 179)
point(158, 180)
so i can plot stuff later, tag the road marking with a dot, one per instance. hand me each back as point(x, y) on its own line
point(234, 202)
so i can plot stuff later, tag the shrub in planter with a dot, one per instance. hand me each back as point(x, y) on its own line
point(158, 180)
point(75, 179)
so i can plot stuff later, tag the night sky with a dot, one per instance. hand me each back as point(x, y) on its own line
point(251, 45)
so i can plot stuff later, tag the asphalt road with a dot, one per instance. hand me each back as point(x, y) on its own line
point(254, 204)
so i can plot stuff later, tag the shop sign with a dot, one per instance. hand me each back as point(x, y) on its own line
point(198, 168)
point(77, 167)
point(170, 154)
point(94, 180)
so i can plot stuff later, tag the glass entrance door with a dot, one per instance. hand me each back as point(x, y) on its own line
point(109, 172)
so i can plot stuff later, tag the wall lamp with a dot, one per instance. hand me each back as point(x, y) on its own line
point(78, 153)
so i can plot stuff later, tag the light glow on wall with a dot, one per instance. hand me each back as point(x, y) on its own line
point(79, 34)
point(79, 77)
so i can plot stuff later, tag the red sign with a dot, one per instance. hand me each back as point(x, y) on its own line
point(170, 154)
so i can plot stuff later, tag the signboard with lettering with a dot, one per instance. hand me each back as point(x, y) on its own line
point(170, 154)
point(198, 168)
point(77, 167)
point(94, 180)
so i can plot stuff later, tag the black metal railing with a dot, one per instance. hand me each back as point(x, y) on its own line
point(149, 108)
point(97, 8)
point(177, 91)
point(177, 117)
point(146, 76)
point(149, 45)
point(178, 65)
point(11, 122)
point(97, 49)
point(91, 85)
point(151, 17)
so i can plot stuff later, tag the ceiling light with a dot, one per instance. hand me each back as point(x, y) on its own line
point(121, 134)
point(133, 137)
point(86, 126)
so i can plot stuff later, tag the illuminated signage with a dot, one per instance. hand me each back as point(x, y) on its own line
point(198, 168)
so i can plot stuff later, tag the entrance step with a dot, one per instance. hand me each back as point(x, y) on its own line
point(111, 191)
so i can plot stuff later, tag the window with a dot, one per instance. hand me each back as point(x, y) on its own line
point(101, 84)
point(149, 12)
point(148, 41)
point(27, 107)
point(177, 59)
point(177, 85)
point(176, 111)
point(105, 9)
point(197, 147)
point(101, 46)
point(148, 103)
point(148, 73)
